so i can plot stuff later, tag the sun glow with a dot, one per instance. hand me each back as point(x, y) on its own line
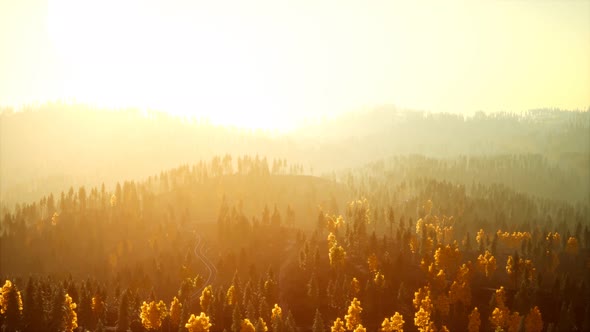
point(186, 65)
point(272, 64)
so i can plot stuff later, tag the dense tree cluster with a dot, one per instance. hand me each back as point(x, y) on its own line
point(233, 244)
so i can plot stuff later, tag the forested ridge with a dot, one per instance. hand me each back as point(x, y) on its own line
point(131, 144)
point(462, 244)
point(422, 241)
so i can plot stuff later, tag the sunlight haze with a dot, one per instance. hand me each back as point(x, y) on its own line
point(272, 64)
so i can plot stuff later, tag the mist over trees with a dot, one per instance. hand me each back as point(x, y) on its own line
point(387, 220)
point(129, 144)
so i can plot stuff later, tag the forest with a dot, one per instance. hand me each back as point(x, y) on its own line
point(393, 220)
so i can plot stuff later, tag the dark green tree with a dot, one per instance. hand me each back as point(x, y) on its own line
point(32, 308)
point(58, 312)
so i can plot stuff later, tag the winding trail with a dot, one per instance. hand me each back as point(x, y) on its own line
point(200, 254)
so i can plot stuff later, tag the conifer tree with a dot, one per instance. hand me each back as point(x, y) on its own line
point(123, 315)
point(236, 318)
point(32, 308)
point(318, 322)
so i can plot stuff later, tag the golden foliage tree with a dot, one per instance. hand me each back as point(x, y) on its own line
point(261, 325)
point(379, 280)
point(572, 246)
point(338, 326)
point(355, 287)
point(373, 263)
point(331, 240)
point(500, 315)
point(152, 314)
point(333, 223)
point(480, 238)
point(230, 296)
point(447, 257)
point(175, 312)
point(353, 318)
point(360, 328)
point(198, 323)
point(423, 305)
point(337, 256)
point(71, 319)
point(276, 312)
point(276, 317)
point(486, 263)
point(6, 292)
point(98, 306)
point(422, 298)
point(474, 321)
point(460, 290)
point(206, 298)
point(553, 240)
point(393, 324)
point(442, 305)
point(514, 322)
point(422, 320)
point(533, 321)
point(247, 326)
point(512, 240)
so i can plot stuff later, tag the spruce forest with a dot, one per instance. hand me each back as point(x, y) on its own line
point(381, 220)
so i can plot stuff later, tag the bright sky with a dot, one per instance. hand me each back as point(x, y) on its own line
point(272, 63)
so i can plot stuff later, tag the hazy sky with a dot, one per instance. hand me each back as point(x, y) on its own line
point(272, 63)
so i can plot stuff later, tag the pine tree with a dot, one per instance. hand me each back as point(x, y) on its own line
point(318, 322)
point(123, 317)
point(236, 318)
point(290, 325)
point(57, 310)
point(85, 308)
point(313, 291)
point(32, 309)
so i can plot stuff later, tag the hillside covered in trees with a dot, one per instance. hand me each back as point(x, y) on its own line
point(132, 145)
point(392, 221)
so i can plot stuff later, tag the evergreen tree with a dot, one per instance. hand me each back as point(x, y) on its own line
point(32, 309)
point(56, 321)
point(123, 317)
point(318, 322)
point(236, 318)
point(85, 308)
point(290, 325)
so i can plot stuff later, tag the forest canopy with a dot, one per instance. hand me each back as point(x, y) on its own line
point(394, 220)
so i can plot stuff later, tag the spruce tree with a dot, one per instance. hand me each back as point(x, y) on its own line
point(56, 322)
point(123, 317)
point(318, 322)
